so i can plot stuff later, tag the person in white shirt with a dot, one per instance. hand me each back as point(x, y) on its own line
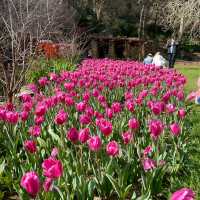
point(158, 60)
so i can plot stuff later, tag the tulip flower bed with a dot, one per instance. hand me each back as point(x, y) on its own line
point(112, 129)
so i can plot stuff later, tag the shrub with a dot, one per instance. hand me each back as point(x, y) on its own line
point(42, 67)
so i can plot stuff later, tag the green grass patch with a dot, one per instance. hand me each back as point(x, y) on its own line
point(42, 67)
point(191, 175)
point(192, 73)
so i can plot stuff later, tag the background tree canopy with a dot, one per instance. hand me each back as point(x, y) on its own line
point(149, 19)
point(140, 18)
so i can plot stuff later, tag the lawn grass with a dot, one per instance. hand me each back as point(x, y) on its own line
point(192, 72)
point(192, 179)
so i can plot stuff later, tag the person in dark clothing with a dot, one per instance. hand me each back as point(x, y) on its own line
point(172, 48)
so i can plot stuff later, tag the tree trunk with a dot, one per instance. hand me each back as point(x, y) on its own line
point(181, 28)
point(155, 23)
point(10, 97)
point(143, 24)
point(140, 24)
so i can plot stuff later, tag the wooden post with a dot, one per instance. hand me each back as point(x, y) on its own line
point(127, 49)
point(111, 49)
point(94, 48)
point(143, 49)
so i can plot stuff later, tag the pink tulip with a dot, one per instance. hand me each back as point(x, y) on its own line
point(112, 148)
point(81, 106)
point(86, 96)
point(157, 108)
point(47, 185)
point(53, 76)
point(116, 107)
point(191, 96)
point(27, 106)
point(175, 129)
point(31, 183)
point(130, 106)
point(69, 86)
point(32, 87)
point(133, 123)
point(148, 164)
point(61, 117)
point(26, 98)
point(127, 137)
point(43, 81)
point(84, 119)
point(30, 146)
point(39, 120)
point(2, 114)
point(24, 115)
point(35, 130)
point(128, 95)
point(9, 106)
point(170, 108)
point(156, 128)
point(181, 113)
point(143, 94)
point(180, 95)
point(72, 135)
point(54, 152)
point(40, 110)
point(69, 101)
point(60, 95)
point(94, 143)
point(95, 93)
point(147, 150)
point(104, 126)
point(84, 135)
point(52, 168)
point(166, 97)
point(12, 117)
point(89, 111)
point(101, 99)
point(98, 115)
point(183, 194)
point(109, 113)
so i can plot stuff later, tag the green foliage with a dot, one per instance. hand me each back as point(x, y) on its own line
point(6, 180)
point(190, 176)
point(42, 67)
point(121, 27)
point(191, 48)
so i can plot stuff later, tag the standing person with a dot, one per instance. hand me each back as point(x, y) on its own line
point(172, 47)
point(148, 60)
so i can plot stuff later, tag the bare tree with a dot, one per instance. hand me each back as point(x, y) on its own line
point(25, 22)
point(98, 7)
point(182, 17)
